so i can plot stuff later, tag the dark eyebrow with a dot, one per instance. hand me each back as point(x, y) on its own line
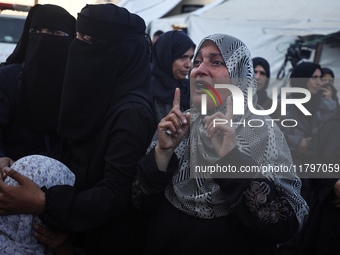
point(215, 55)
point(211, 54)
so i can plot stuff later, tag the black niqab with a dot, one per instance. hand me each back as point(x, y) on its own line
point(101, 76)
point(169, 47)
point(44, 57)
point(42, 16)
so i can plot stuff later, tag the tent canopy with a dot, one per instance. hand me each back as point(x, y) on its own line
point(267, 27)
point(149, 9)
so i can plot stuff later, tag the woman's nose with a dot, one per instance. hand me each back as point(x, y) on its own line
point(203, 69)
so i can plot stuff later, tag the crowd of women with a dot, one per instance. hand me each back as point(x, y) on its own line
point(100, 129)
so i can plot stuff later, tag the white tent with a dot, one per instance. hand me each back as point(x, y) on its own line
point(149, 9)
point(267, 27)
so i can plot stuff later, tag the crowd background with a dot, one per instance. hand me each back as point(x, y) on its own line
point(124, 200)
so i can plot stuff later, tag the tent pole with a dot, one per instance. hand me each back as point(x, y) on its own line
point(318, 52)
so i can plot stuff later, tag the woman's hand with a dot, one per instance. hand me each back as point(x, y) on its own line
point(59, 242)
point(327, 92)
point(4, 162)
point(27, 197)
point(304, 145)
point(220, 131)
point(171, 131)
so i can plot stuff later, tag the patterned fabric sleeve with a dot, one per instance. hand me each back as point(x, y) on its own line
point(272, 206)
point(16, 231)
point(267, 209)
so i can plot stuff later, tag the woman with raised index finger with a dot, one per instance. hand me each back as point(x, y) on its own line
point(209, 214)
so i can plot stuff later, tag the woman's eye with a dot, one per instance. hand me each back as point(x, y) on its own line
point(87, 39)
point(34, 30)
point(196, 63)
point(217, 62)
point(59, 33)
point(84, 38)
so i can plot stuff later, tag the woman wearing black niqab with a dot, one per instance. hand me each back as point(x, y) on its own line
point(169, 47)
point(107, 123)
point(31, 84)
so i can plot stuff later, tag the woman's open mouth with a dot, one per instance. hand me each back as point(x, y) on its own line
point(202, 87)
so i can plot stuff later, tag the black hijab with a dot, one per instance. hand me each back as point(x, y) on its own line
point(169, 47)
point(113, 70)
point(300, 77)
point(44, 57)
point(262, 62)
point(262, 94)
point(327, 70)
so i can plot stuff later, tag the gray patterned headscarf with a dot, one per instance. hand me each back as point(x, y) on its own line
point(202, 197)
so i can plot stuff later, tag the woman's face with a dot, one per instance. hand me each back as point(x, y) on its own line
point(181, 66)
point(84, 38)
point(314, 83)
point(208, 68)
point(327, 78)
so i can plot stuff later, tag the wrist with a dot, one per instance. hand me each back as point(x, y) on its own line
point(163, 157)
point(40, 202)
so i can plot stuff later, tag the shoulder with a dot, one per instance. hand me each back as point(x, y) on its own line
point(132, 122)
point(333, 121)
point(327, 104)
point(135, 107)
point(10, 75)
point(134, 113)
point(12, 70)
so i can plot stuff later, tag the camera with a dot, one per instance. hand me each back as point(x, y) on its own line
point(296, 51)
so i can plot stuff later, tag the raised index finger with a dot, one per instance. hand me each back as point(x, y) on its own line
point(229, 113)
point(177, 99)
